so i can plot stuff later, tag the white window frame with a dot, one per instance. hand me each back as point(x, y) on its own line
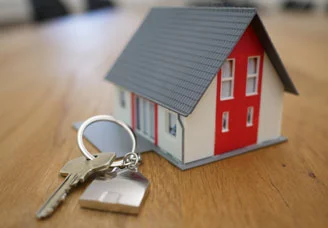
point(256, 75)
point(250, 110)
point(152, 119)
point(232, 79)
point(138, 113)
point(225, 129)
point(145, 127)
point(122, 98)
point(167, 124)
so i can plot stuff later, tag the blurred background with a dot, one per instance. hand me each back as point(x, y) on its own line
point(27, 11)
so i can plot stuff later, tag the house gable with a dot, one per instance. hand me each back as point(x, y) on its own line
point(174, 56)
point(238, 134)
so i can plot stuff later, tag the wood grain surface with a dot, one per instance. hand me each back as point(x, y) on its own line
point(52, 75)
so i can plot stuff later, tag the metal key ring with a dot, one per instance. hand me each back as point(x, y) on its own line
point(94, 119)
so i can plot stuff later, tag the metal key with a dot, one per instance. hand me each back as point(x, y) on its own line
point(76, 171)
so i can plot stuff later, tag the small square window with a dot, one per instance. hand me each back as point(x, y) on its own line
point(225, 121)
point(172, 124)
point(122, 98)
point(250, 115)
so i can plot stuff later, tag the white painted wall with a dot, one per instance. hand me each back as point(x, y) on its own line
point(271, 105)
point(119, 112)
point(167, 142)
point(200, 127)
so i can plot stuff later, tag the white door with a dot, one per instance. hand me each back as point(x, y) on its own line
point(145, 117)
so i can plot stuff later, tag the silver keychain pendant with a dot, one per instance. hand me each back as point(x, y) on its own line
point(122, 189)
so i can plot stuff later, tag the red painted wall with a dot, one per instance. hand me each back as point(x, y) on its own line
point(239, 135)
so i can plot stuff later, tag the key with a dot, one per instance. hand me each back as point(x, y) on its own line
point(76, 171)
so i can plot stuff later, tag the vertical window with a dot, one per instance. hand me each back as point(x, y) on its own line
point(250, 115)
point(252, 75)
point(225, 121)
point(152, 120)
point(227, 79)
point(145, 116)
point(138, 113)
point(172, 123)
point(122, 98)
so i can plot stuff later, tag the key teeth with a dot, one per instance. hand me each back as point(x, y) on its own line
point(48, 211)
point(62, 198)
point(45, 213)
point(70, 181)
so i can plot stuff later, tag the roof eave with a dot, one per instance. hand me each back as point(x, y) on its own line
point(273, 55)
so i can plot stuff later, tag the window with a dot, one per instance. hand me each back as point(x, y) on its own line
point(250, 114)
point(122, 98)
point(252, 75)
point(225, 121)
point(227, 79)
point(152, 120)
point(145, 117)
point(138, 112)
point(172, 123)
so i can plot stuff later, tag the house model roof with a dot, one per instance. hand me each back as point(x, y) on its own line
point(177, 52)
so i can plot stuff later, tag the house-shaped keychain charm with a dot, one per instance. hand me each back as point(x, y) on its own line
point(201, 84)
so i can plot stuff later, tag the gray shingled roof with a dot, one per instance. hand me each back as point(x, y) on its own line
point(177, 52)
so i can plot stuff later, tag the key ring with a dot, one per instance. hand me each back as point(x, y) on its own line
point(130, 160)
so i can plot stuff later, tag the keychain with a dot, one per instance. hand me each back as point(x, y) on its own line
point(124, 188)
point(121, 188)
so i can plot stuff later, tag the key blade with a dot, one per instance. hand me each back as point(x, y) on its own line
point(76, 170)
point(57, 197)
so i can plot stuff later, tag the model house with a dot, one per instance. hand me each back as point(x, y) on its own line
point(201, 84)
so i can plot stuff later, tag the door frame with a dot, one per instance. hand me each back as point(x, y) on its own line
point(145, 104)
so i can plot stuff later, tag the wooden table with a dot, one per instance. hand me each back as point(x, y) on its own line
point(52, 75)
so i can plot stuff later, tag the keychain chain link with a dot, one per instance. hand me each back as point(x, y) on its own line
point(131, 160)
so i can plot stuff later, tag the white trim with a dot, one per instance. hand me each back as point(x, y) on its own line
point(225, 129)
point(251, 110)
point(227, 98)
point(256, 76)
point(232, 79)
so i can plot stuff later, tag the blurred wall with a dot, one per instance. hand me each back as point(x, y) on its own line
point(12, 11)
point(15, 11)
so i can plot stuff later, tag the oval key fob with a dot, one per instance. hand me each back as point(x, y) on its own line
point(123, 191)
